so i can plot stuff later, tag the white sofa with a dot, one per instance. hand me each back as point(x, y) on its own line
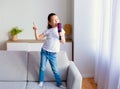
point(20, 69)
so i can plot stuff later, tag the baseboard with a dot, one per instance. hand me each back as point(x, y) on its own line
point(87, 75)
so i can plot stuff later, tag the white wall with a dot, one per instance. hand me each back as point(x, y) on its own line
point(84, 37)
point(22, 13)
point(79, 13)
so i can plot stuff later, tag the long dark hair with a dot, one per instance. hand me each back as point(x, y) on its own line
point(49, 18)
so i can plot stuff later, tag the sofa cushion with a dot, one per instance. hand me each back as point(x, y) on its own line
point(34, 63)
point(12, 85)
point(13, 66)
point(46, 85)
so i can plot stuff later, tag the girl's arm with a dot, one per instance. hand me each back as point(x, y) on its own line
point(62, 37)
point(37, 37)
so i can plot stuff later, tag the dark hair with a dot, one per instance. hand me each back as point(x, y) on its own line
point(49, 18)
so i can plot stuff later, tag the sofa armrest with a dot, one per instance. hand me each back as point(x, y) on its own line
point(74, 78)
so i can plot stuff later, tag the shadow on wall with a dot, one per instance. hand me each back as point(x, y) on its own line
point(3, 45)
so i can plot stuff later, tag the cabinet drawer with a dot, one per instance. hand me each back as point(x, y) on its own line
point(17, 46)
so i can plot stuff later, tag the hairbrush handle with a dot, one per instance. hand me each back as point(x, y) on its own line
point(59, 29)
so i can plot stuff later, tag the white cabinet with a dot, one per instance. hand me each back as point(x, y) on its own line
point(34, 45)
point(17, 46)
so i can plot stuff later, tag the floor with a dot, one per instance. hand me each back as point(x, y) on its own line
point(88, 83)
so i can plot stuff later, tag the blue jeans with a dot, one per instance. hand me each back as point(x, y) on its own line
point(51, 56)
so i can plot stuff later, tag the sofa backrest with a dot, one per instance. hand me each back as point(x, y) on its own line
point(34, 63)
point(13, 66)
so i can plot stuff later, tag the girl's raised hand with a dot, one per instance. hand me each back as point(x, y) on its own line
point(34, 26)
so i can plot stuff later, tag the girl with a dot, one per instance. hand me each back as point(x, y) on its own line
point(50, 47)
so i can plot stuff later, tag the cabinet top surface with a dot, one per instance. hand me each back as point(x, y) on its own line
point(25, 40)
point(30, 41)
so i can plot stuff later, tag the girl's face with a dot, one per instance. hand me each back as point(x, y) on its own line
point(54, 20)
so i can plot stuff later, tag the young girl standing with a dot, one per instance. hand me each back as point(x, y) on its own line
point(50, 47)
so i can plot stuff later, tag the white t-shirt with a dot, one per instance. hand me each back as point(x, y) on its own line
point(52, 43)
